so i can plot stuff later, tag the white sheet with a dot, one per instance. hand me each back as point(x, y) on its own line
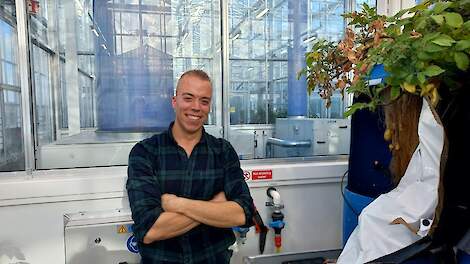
point(414, 199)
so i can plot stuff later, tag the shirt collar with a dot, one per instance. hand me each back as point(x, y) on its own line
point(172, 138)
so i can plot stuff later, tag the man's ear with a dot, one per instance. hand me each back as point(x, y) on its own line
point(173, 101)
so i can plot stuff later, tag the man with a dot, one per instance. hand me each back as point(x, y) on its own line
point(186, 189)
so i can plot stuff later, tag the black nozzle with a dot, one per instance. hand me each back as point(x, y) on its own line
point(277, 216)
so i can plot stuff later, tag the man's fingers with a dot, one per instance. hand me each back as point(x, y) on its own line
point(220, 197)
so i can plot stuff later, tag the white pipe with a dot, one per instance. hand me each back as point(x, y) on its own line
point(276, 197)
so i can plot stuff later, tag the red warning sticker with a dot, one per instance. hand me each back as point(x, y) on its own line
point(262, 175)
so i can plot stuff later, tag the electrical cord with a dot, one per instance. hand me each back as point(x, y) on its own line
point(344, 197)
point(377, 166)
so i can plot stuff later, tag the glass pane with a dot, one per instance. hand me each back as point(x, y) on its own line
point(118, 67)
point(43, 96)
point(38, 22)
point(129, 23)
point(269, 107)
point(86, 102)
point(11, 135)
point(7, 7)
point(153, 2)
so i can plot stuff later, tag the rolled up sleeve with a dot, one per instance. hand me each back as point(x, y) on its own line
point(143, 191)
point(235, 187)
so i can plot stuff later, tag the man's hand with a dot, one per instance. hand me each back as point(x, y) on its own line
point(216, 212)
point(171, 202)
point(220, 197)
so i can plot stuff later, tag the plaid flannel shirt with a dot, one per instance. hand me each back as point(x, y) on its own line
point(158, 165)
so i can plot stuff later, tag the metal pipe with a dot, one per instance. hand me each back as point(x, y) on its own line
point(225, 68)
point(284, 143)
point(288, 143)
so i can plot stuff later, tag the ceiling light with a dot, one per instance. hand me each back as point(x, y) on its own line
point(310, 39)
point(236, 36)
point(94, 31)
point(262, 13)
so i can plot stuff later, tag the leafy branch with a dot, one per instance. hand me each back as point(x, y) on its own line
point(423, 49)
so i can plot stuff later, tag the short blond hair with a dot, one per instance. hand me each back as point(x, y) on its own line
point(200, 74)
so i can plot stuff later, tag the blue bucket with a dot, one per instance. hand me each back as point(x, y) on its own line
point(350, 215)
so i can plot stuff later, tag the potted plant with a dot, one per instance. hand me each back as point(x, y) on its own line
point(425, 51)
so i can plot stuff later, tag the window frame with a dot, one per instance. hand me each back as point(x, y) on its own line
point(45, 157)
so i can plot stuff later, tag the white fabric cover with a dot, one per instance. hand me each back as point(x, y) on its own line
point(414, 199)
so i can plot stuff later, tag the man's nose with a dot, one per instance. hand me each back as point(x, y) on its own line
point(196, 106)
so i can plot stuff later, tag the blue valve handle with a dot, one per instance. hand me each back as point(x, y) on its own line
point(241, 230)
point(277, 224)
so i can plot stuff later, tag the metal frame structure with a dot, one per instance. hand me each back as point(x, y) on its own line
point(25, 80)
point(47, 156)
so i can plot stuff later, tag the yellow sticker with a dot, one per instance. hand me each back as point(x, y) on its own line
point(122, 229)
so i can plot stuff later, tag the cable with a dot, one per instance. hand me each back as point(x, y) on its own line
point(344, 197)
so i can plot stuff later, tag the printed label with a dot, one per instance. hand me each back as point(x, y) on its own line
point(262, 175)
point(132, 244)
point(122, 229)
point(246, 175)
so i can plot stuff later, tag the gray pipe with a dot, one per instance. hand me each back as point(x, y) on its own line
point(285, 143)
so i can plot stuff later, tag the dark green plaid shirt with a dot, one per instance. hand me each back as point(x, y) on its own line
point(158, 165)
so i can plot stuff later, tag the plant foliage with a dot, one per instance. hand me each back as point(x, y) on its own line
point(421, 48)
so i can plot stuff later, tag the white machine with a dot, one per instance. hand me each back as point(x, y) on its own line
point(100, 237)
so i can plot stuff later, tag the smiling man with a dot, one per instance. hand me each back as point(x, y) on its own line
point(186, 188)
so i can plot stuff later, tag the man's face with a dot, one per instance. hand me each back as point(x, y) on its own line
point(192, 103)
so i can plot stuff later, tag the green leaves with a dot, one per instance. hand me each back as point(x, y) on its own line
point(400, 14)
point(428, 47)
point(395, 92)
point(462, 44)
point(433, 70)
point(439, 19)
point(439, 7)
point(421, 77)
point(444, 40)
point(431, 47)
point(462, 61)
point(453, 19)
point(466, 25)
point(421, 23)
point(353, 108)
